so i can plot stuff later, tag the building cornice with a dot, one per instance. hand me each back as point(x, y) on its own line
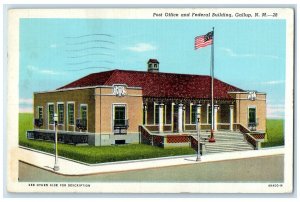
point(87, 87)
point(245, 92)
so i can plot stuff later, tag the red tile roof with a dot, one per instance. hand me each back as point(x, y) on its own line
point(152, 61)
point(159, 84)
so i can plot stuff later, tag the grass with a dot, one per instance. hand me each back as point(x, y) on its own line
point(275, 133)
point(92, 154)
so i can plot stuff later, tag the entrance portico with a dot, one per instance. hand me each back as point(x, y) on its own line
point(178, 116)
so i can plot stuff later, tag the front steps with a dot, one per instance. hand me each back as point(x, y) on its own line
point(225, 142)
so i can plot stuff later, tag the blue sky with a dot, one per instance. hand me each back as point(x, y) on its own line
point(249, 54)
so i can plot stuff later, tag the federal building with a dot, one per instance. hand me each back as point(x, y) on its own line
point(110, 107)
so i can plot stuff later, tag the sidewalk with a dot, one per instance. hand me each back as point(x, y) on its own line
point(72, 168)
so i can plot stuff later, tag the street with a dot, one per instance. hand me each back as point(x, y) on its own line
point(258, 169)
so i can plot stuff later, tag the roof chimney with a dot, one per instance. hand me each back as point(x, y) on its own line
point(153, 65)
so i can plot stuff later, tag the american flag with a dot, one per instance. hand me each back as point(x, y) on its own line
point(204, 40)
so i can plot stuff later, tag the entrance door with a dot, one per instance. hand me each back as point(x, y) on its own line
point(175, 119)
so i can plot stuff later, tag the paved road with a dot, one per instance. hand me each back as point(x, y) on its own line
point(259, 169)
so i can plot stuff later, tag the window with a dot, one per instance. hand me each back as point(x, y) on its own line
point(38, 121)
point(51, 113)
point(252, 115)
point(60, 109)
point(208, 114)
point(40, 112)
point(156, 114)
point(71, 113)
point(120, 116)
point(83, 114)
point(194, 114)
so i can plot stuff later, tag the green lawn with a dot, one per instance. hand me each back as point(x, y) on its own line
point(91, 154)
point(275, 133)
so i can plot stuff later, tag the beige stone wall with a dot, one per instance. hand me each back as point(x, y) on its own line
point(105, 101)
point(100, 108)
point(242, 106)
point(101, 100)
point(82, 96)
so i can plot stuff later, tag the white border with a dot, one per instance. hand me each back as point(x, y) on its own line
point(13, 75)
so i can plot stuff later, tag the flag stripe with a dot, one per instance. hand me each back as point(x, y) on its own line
point(203, 40)
point(200, 42)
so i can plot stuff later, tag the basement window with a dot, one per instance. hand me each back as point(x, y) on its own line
point(120, 142)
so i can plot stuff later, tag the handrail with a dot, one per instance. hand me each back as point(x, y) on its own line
point(142, 126)
point(148, 131)
point(147, 137)
point(250, 140)
point(243, 128)
point(248, 137)
point(194, 144)
point(150, 138)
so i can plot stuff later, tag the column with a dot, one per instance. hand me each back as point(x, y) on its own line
point(180, 118)
point(231, 117)
point(145, 113)
point(161, 118)
point(183, 117)
point(215, 117)
point(172, 116)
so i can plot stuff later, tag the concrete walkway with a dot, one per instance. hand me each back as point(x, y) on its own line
point(72, 168)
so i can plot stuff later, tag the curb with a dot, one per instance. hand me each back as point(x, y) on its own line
point(108, 163)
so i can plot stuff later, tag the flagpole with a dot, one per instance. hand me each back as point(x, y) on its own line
point(212, 139)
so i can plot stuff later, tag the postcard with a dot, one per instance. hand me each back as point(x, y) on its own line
point(150, 100)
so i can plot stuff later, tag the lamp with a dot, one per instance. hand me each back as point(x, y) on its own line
point(198, 136)
point(56, 166)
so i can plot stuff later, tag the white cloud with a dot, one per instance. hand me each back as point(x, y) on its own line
point(49, 72)
point(142, 47)
point(27, 101)
point(26, 109)
point(43, 71)
point(274, 82)
point(233, 54)
point(246, 55)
